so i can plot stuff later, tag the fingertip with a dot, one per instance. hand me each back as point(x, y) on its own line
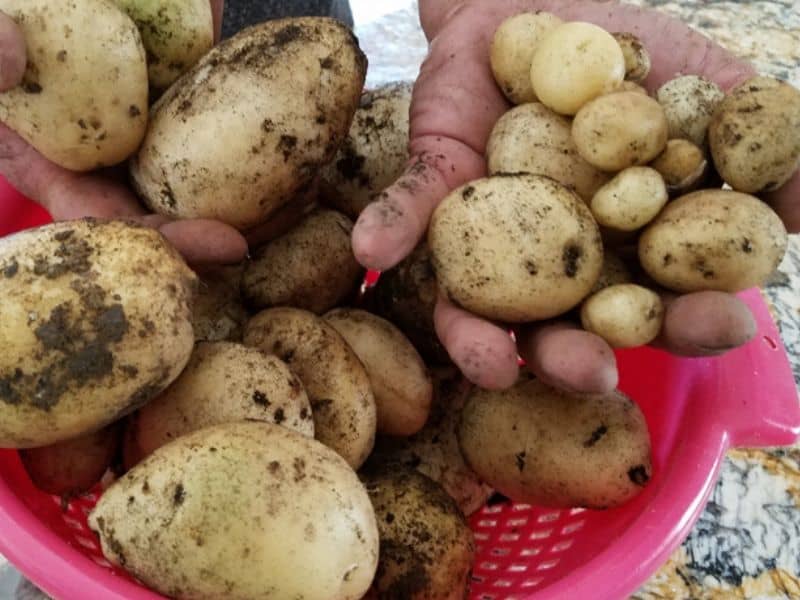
point(384, 235)
point(202, 241)
point(13, 55)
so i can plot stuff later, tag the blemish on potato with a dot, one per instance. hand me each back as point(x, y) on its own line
point(280, 416)
point(571, 257)
point(134, 111)
point(638, 475)
point(11, 269)
point(597, 434)
point(260, 398)
point(519, 458)
point(179, 496)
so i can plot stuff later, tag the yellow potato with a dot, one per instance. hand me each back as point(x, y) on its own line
point(630, 200)
point(624, 315)
point(682, 165)
point(689, 101)
point(637, 59)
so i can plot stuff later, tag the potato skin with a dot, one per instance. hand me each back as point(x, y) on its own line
point(683, 166)
point(249, 126)
point(637, 59)
point(546, 447)
point(239, 511)
point(689, 101)
point(94, 322)
point(83, 100)
point(630, 200)
point(218, 312)
point(713, 240)
point(624, 315)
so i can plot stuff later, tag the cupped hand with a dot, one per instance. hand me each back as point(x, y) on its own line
point(456, 103)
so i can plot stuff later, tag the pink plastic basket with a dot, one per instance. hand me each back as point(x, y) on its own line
point(695, 409)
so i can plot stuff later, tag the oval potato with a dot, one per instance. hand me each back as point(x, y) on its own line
point(630, 200)
point(624, 315)
point(689, 101)
point(682, 165)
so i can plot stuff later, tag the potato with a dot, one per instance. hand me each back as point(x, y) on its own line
point(375, 152)
point(713, 240)
point(223, 383)
point(531, 138)
point(310, 267)
point(397, 375)
point(620, 130)
point(512, 49)
point(546, 447)
point(689, 101)
point(682, 165)
point(337, 384)
point(637, 59)
point(426, 546)
point(755, 135)
point(532, 256)
point(249, 126)
point(624, 315)
point(83, 100)
point(630, 86)
point(575, 63)
point(240, 511)
point(94, 322)
point(218, 313)
point(630, 200)
point(75, 466)
point(613, 272)
point(175, 33)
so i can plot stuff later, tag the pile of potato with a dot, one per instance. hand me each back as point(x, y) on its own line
point(267, 433)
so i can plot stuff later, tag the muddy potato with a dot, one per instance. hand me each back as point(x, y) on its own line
point(250, 125)
point(613, 272)
point(218, 312)
point(683, 166)
point(533, 256)
point(630, 200)
point(531, 138)
point(637, 59)
point(689, 101)
point(83, 100)
point(755, 135)
point(624, 315)
point(713, 240)
point(240, 511)
point(311, 267)
point(94, 322)
point(539, 445)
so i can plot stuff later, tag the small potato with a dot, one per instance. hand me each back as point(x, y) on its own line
point(531, 138)
point(511, 54)
point(755, 135)
point(631, 200)
point(620, 130)
point(713, 240)
point(241, 511)
point(614, 271)
point(637, 59)
point(532, 256)
point(311, 267)
point(689, 101)
point(337, 384)
point(625, 315)
point(546, 447)
point(218, 313)
point(575, 63)
point(683, 166)
point(426, 546)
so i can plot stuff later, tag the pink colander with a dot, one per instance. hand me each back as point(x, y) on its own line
point(695, 409)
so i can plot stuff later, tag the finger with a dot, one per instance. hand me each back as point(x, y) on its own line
point(13, 56)
point(786, 202)
point(484, 352)
point(202, 241)
point(569, 358)
point(217, 9)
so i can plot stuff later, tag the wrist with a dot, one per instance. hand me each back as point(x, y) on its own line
point(433, 14)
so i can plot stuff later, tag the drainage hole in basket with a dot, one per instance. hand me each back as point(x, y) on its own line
point(481, 536)
point(489, 566)
point(547, 564)
point(770, 342)
point(530, 551)
point(532, 582)
point(505, 583)
point(517, 568)
point(501, 551)
point(509, 537)
point(478, 578)
point(72, 523)
point(541, 535)
point(561, 546)
point(488, 523)
point(572, 527)
point(517, 522)
point(102, 562)
point(576, 511)
point(86, 543)
point(492, 510)
point(521, 507)
point(487, 597)
point(548, 517)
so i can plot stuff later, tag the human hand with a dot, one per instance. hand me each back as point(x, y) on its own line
point(456, 103)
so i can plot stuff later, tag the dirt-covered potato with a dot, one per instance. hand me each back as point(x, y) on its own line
point(75, 466)
point(613, 272)
point(240, 511)
point(335, 380)
point(311, 267)
point(426, 546)
point(713, 240)
point(531, 138)
point(637, 59)
point(630, 200)
point(755, 135)
point(83, 100)
point(547, 447)
point(682, 165)
point(94, 322)
point(625, 315)
point(620, 130)
point(532, 256)
point(512, 49)
point(223, 382)
point(375, 152)
point(252, 122)
point(689, 101)
point(218, 313)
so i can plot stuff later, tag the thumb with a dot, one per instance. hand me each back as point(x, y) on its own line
point(13, 58)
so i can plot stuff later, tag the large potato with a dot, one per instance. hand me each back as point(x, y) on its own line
point(337, 384)
point(533, 255)
point(713, 240)
point(252, 122)
point(83, 101)
point(242, 511)
point(218, 313)
point(546, 447)
point(689, 101)
point(94, 322)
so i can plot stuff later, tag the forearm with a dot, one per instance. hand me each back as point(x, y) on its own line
point(433, 13)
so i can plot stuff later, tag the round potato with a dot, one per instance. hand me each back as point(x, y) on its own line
point(83, 101)
point(250, 125)
point(689, 101)
point(682, 165)
point(637, 59)
point(624, 315)
point(713, 240)
point(755, 135)
point(342, 402)
point(614, 271)
point(531, 138)
point(620, 130)
point(631, 200)
point(239, 511)
point(94, 323)
point(539, 445)
point(218, 313)
point(532, 256)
